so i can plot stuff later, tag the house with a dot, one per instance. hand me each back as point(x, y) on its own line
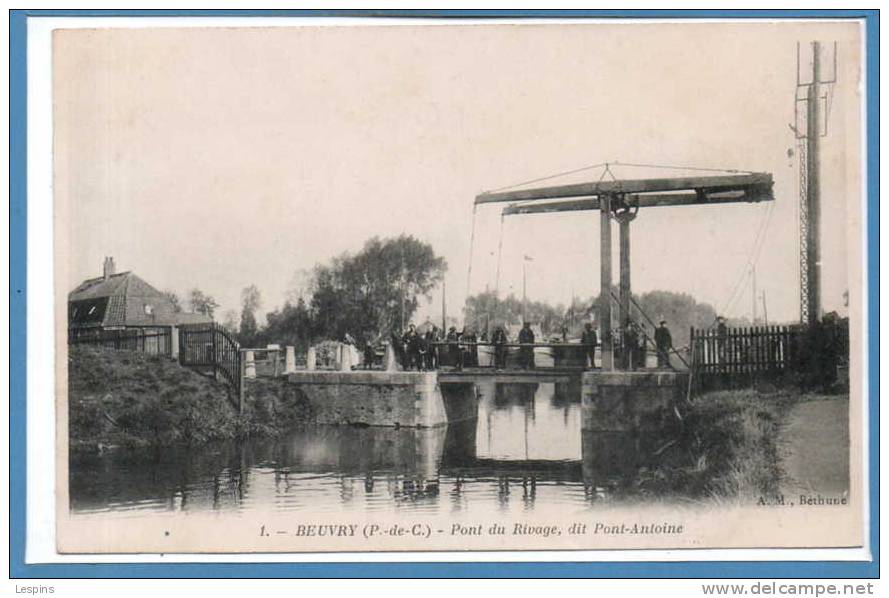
point(119, 300)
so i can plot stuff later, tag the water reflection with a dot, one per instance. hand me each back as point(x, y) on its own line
point(525, 449)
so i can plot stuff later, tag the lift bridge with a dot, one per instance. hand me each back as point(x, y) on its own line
point(621, 200)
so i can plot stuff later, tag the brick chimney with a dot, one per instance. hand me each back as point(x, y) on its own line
point(108, 268)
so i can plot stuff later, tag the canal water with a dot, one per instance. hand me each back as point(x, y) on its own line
point(525, 451)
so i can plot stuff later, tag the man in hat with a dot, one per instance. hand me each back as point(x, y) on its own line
point(631, 345)
point(470, 347)
point(589, 339)
point(411, 342)
point(454, 351)
point(664, 342)
point(499, 339)
point(431, 338)
point(526, 338)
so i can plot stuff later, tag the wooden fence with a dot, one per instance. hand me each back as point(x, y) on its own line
point(152, 340)
point(734, 357)
point(210, 349)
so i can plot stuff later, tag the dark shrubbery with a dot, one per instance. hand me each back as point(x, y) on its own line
point(117, 398)
point(724, 447)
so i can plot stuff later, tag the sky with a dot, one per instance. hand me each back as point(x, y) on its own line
point(217, 158)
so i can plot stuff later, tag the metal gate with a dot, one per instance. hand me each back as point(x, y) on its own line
point(210, 349)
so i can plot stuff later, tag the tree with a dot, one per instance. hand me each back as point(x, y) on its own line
point(374, 291)
point(201, 303)
point(174, 300)
point(230, 321)
point(484, 311)
point(291, 325)
point(300, 286)
point(250, 302)
point(680, 310)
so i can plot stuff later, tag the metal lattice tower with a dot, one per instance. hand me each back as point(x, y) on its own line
point(813, 89)
point(803, 237)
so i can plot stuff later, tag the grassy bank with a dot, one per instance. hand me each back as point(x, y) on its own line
point(724, 448)
point(119, 398)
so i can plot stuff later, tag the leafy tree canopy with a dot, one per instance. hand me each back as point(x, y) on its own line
point(372, 292)
point(202, 303)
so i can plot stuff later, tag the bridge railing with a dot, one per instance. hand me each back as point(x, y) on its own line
point(542, 355)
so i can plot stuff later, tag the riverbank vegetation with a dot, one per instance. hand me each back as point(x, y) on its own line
point(722, 446)
point(128, 399)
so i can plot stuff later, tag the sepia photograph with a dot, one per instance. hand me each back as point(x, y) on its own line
point(405, 286)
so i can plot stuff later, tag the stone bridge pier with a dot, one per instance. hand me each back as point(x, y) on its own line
point(619, 401)
point(374, 398)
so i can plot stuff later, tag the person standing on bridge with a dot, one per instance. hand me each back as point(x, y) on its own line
point(470, 344)
point(589, 339)
point(499, 339)
point(455, 352)
point(431, 337)
point(664, 341)
point(526, 338)
point(411, 342)
point(631, 345)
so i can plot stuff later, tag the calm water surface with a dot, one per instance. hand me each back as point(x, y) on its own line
point(525, 450)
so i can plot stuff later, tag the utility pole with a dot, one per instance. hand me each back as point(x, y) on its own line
point(753, 295)
point(765, 309)
point(524, 289)
point(402, 289)
point(444, 309)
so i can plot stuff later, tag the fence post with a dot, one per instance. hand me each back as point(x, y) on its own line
point(242, 385)
point(310, 359)
point(174, 342)
point(389, 362)
point(289, 359)
point(250, 365)
point(214, 358)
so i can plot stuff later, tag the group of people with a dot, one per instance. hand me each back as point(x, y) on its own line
point(417, 351)
point(432, 349)
point(526, 350)
point(633, 352)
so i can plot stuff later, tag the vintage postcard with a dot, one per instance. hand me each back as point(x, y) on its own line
point(459, 286)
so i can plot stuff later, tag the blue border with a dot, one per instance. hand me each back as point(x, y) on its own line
point(18, 340)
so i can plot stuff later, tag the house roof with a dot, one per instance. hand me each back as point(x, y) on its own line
point(124, 300)
point(93, 288)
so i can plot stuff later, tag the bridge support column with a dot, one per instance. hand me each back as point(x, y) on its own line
point(623, 401)
point(605, 283)
point(624, 218)
point(373, 398)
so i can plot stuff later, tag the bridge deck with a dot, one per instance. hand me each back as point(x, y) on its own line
point(530, 376)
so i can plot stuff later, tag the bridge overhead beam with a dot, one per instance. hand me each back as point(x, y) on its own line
point(761, 182)
point(649, 200)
